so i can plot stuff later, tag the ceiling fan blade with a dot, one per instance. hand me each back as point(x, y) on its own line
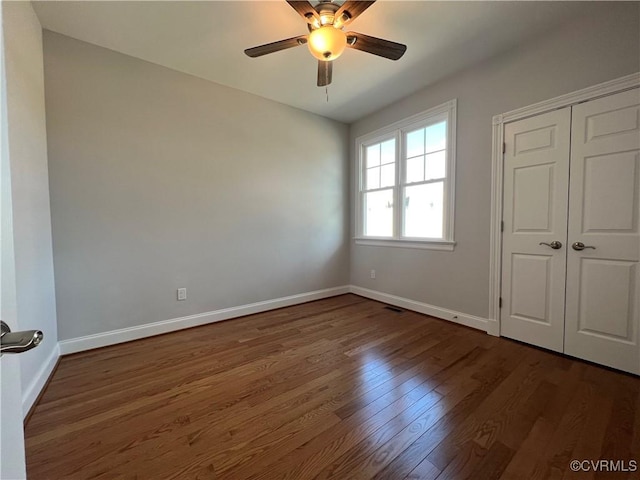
point(377, 46)
point(352, 9)
point(306, 11)
point(325, 71)
point(276, 46)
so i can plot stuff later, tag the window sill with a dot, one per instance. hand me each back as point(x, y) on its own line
point(442, 245)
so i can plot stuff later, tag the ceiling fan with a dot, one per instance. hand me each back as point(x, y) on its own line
point(327, 40)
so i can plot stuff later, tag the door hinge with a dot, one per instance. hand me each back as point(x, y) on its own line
point(500, 302)
point(502, 225)
point(504, 148)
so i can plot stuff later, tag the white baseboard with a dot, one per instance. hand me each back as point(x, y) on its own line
point(89, 342)
point(113, 337)
point(438, 312)
point(32, 391)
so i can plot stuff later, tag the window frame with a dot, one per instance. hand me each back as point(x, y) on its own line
point(399, 131)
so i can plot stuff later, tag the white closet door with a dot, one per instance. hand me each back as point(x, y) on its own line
point(536, 179)
point(603, 282)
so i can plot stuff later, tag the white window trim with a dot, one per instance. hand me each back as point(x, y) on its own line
point(397, 130)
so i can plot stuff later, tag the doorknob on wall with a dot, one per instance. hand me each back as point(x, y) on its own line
point(18, 342)
point(556, 245)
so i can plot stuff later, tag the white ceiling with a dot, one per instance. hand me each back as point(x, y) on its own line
point(207, 39)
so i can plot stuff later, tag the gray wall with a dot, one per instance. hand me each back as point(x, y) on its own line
point(586, 52)
point(28, 297)
point(161, 180)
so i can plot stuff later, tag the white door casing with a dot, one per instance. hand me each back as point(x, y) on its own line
point(602, 318)
point(536, 179)
point(12, 459)
point(12, 452)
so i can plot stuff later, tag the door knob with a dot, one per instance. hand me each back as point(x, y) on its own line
point(556, 245)
point(580, 246)
point(18, 342)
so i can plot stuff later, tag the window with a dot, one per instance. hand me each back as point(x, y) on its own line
point(406, 182)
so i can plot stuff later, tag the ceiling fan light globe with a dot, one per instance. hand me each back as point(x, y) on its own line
point(327, 43)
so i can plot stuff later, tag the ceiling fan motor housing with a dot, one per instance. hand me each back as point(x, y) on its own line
point(327, 13)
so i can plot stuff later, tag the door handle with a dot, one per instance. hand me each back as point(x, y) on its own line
point(580, 246)
point(556, 245)
point(18, 342)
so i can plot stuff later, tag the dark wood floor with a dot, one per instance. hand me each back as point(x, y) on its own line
point(339, 388)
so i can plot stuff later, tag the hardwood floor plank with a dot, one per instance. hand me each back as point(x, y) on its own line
point(312, 457)
point(505, 397)
point(589, 446)
point(554, 459)
point(522, 420)
point(463, 465)
point(494, 462)
point(618, 437)
point(336, 388)
point(367, 462)
point(425, 470)
point(635, 444)
point(350, 464)
point(526, 459)
point(486, 375)
point(325, 399)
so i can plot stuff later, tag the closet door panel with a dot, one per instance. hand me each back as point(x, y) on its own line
point(536, 183)
point(602, 317)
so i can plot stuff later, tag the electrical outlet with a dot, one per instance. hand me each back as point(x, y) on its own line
point(182, 294)
point(373, 274)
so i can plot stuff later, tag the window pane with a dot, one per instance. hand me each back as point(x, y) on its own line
point(388, 151)
point(373, 178)
point(415, 143)
point(415, 169)
point(436, 137)
point(423, 210)
point(373, 155)
point(378, 213)
point(388, 178)
point(436, 165)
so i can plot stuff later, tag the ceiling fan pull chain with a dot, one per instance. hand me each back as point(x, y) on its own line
point(326, 89)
